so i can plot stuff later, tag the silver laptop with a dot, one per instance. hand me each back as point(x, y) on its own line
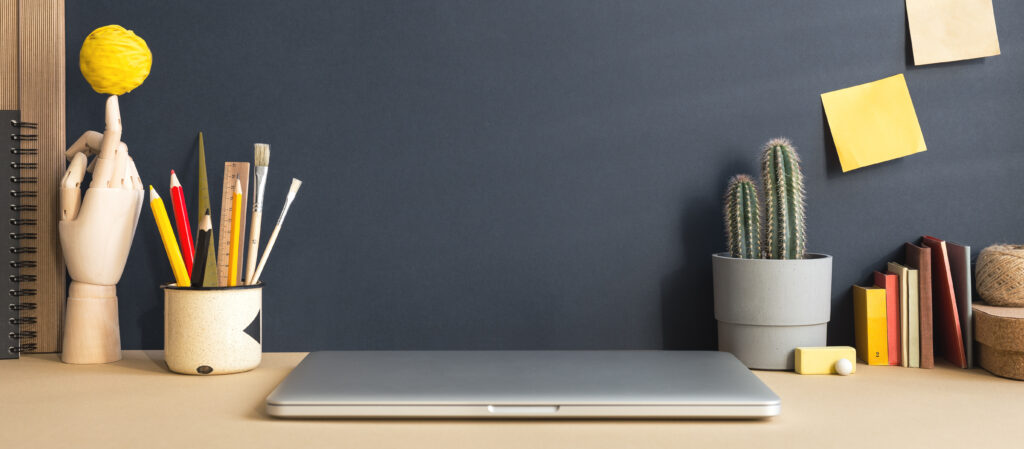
point(522, 384)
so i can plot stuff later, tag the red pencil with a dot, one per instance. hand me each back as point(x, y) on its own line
point(181, 222)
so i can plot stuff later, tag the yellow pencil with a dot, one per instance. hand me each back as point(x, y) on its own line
point(163, 223)
point(236, 234)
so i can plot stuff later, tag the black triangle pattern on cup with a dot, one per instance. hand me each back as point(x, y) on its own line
point(253, 329)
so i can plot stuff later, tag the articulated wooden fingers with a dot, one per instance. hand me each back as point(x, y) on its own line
point(89, 144)
point(117, 177)
point(70, 187)
point(134, 181)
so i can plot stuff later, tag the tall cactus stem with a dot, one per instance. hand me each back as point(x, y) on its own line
point(785, 231)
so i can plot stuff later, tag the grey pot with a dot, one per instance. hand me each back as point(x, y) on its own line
point(768, 307)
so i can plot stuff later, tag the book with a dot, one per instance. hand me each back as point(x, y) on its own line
point(920, 258)
point(888, 281)
point(18, 312)
point(901, 279)
point(869, 325)
point(913, 319)
point(960, 269)
point(947, 320)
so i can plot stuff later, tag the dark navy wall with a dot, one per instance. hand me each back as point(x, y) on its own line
point(541, 174)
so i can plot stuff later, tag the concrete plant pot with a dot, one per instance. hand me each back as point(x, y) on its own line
point(768, 307)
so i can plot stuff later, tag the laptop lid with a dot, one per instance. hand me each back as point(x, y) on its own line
point(527, 384)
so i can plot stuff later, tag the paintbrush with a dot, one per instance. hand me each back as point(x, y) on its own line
point(262, 160)
point(294, 189)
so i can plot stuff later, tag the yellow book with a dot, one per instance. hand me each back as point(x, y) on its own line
point(869, 323)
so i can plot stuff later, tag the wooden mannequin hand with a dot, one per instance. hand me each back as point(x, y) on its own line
point(96, 232)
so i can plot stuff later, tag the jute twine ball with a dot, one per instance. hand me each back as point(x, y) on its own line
point(114, 60)
point(1000, 275)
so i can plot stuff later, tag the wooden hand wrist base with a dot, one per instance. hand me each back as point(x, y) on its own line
point(91, 331)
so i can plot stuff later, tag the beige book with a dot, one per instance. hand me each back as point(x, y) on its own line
point(914, 317)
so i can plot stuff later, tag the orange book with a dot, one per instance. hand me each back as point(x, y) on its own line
point(892, 313)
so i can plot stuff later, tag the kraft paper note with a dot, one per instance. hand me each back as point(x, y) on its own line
point(951, 30)
point(873, 122)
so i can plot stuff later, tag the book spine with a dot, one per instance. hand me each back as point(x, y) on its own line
point(869, 321)
point(892, 307)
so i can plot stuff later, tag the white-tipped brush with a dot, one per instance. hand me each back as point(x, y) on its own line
point(294, 189)
point(262, 160)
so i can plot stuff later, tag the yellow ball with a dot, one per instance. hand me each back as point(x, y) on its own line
point(114, 60)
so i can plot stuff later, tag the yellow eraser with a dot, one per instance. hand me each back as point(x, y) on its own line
point(822, 360)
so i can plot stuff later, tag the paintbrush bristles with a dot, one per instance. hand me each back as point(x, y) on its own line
point(294, 188)
point(262, 154)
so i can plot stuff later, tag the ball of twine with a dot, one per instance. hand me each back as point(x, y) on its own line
point(114, 60)
point(1000, 275)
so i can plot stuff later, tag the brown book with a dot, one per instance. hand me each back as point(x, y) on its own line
point(920, 258)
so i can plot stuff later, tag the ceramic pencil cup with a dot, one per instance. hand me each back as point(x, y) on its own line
point(213, 330)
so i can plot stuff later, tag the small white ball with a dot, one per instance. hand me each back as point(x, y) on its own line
point(844, 367)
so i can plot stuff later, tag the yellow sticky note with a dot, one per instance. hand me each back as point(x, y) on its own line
point(951, 30)
point(873, 122)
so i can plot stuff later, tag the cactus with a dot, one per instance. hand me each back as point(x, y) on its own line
point(785, 233)
point(742, 221)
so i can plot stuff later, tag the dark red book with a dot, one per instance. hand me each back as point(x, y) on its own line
point(947, 321)
point(892, 313)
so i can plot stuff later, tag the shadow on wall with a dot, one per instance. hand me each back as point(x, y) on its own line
point(832, 166)
point(687, 297)
point(151, 320)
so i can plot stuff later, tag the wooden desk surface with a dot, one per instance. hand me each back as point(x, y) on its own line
point(138, 403)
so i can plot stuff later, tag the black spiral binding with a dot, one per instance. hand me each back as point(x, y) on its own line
point(22, 187)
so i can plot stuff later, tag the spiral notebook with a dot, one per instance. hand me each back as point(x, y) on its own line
point(19, 314)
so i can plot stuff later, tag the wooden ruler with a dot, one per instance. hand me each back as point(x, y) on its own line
point(232, 171)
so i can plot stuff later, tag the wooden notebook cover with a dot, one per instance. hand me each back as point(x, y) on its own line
point(32, 80)
point(892, 312)
point(947, 321)
point(920, 258)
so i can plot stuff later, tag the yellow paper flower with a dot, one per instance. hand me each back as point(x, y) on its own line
point(114, 60)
